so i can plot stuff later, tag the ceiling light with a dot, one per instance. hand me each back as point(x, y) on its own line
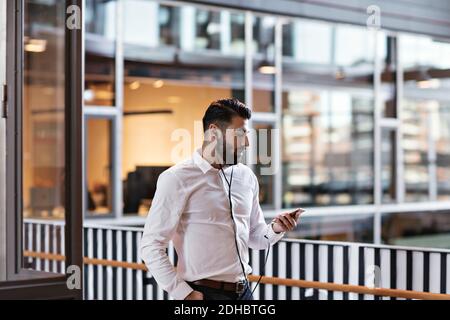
point(174, 99)
point(35, 45)
point(429, 84)
point(135, 85)
point(266, 68)
point(89, 95)
point(158, 84)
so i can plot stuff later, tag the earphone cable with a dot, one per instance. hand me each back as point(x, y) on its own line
point(229, 183)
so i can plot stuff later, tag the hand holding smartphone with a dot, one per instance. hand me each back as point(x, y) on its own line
point(286, 221)
point(297, 213)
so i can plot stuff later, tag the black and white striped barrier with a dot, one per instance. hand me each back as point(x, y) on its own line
point(417, 269)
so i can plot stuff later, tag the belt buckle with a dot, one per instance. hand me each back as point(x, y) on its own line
point(240, 287)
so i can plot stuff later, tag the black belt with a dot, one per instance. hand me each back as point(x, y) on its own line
point(236, 287)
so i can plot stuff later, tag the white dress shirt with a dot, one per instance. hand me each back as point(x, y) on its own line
point(191, 207)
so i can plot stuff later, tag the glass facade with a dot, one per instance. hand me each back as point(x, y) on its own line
point(265, 134)
point(425, 118)
point(328, 115)
point(43, 166)
point(328, 142)
point(362, 117)
point(263, 52)
point(441, 138)
point(100, 18)
point(415, 147)
point(98, 166)
point(417, 229)
point(100, 72)
point(165, 95)
point(43, 144)
point(342, 227)
point(388, 166)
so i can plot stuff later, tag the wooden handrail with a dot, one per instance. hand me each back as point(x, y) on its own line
point(86, 260)
point(384, 292)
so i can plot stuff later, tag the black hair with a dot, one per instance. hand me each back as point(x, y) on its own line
point(221, 112)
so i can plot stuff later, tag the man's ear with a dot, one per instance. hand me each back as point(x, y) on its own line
point(214, 131)
point(213, 126)
point(210, 133)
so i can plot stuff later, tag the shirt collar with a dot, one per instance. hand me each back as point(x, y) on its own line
point(204, 165)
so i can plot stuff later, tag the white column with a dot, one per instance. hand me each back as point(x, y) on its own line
point(187, 28)
point(141, 23)
point(118, 121)
point(377, 144)
point(400, 181)
point(225, 32)
point(249, 79)
point(278, 188)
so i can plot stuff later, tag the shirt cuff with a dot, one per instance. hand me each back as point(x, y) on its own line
point(181, 291)
point(272, 236)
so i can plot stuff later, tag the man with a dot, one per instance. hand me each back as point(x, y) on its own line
point(208, 205)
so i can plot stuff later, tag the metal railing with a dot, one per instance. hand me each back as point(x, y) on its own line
point(296, 269)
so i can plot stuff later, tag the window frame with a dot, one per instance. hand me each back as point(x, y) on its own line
point(111, 119)
point(20, 282)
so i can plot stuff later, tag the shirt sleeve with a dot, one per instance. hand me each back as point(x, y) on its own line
point(261, 234)
point(162, 221)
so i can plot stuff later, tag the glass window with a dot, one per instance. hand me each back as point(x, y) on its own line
point(208, 29)
point(388, 55)
point(426, 82)
point(308, 41)
point(150, 24)
point(426, 146)
point(265, 166)
point(327, 148)
point(140, 22)
point(348, 228)
point(43, 125)
point(321, 43)
point(327, 115)
point(186, 27)
point(154, 31)
point(43, 114)
point(417, 229)
point(425, 62)
point(100, 18)
point(415, 124)
point(264, 64)
point(360, 55)
point(98, 166)
point(100, 26)
point(220, 31)
point(167, 103)
point(237, 41)
point(99, 81)
point(441, 134)
point(288, 40)
point(388, 165)
point(424, 51)
point(169, 25)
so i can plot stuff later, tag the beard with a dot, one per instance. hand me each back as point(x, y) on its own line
point(228, 155)
point(240, 155)
point(233, 156)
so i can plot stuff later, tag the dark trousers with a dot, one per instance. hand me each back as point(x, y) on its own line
point(218, 294)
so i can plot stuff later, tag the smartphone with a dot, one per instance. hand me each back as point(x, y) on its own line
point(293, 214)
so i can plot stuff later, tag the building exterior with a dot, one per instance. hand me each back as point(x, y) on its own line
point(352, 101)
